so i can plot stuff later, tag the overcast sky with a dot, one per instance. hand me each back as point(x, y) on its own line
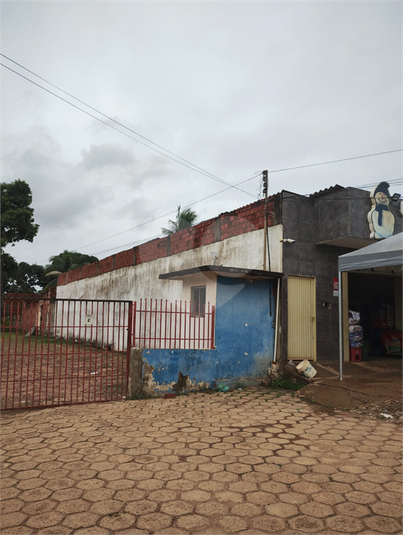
point(231, 87)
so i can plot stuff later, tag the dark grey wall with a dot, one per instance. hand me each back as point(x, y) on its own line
point(343, 213)
point(309, 220)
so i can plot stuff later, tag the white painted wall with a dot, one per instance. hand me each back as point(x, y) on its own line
point(142, 281)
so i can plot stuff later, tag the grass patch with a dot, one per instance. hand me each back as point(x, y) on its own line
point(282, 381)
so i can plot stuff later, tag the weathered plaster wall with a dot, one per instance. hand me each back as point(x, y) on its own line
point(244, 341)
point(207, 279)
point(141, 281)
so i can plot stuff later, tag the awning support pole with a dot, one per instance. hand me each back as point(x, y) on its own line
point(277, 319)
point(341, 326)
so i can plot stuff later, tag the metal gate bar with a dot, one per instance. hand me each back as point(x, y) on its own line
point(63, 351)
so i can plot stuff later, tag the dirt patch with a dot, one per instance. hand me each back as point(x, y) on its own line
point(332, 398)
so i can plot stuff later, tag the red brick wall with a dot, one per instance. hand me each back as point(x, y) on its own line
point(74, 275)
point(106, 264)
point(239, 221)
point(62, 279)
point(125, 259)
point(151, 250)
point(90, 270)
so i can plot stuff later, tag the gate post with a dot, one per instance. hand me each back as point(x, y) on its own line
point(135, 380)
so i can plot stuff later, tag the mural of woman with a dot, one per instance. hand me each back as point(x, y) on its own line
point(380, 218)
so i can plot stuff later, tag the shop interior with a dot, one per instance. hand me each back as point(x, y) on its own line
point(375, 315)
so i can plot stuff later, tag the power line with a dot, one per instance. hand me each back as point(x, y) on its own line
point(164, 215)
point(391, 182)
point(174, 156)
point(183, 161)
point(395, 182)
point(335, 161)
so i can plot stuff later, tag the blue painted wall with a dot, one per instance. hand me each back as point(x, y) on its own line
point(244, 333)
point(244, 338)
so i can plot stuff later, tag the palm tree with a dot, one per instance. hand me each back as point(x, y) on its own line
point(184, 219)
point(65, 261)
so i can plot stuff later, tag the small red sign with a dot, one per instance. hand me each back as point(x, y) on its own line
point(335, 284)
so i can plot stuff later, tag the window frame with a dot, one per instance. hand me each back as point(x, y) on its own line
point(198, 301)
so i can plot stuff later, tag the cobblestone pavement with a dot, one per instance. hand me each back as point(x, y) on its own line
point(248, 462)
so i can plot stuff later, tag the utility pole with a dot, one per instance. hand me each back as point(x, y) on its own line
point(265, 219)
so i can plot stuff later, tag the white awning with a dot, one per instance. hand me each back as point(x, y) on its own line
point(385, 253)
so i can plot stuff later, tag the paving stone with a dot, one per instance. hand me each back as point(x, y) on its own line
point(382, 524)
point(282, 510)
point(178, 484)
point(295, 498)
point(306, 524)
point(316, 510)
point(141, 507)
point(329, 498)
point(211, 508)
point(390, 497)
point(10, 506)
point(363, 498)
point(232, 523)
point(192, 522)
point(44, 520)
point(73, 506)
point(269, 524)
point(80, 520)
point(36, 508)
point(10, 492)
point(225, 477)
point(300, 469)
point(260, 497)
point(93, 530)
point(56, 530)
point(285, 477)
point(117, 522)
point(20, 530)
point(35, 495)
point(344, 524)
point(194, 496)
point(387, 509)
point(9, 520)
point(176, 508)
point(305, 487)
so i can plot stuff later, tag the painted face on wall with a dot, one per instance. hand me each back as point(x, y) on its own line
point(382, 198)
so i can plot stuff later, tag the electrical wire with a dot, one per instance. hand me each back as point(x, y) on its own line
point(391, 182)
point(162, 216)
point(183, 161)
point(173, 157)
point(176, 159)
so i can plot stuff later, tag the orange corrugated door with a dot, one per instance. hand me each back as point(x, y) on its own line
point(301, 318)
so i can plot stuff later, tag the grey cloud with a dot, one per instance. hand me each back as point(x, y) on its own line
point(106, 155)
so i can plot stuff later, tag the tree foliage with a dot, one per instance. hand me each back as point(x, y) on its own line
point(17, 223)
point(17, 216)
point(21, 277)
point(184, 219)
point(63, 262)
point(68, 260)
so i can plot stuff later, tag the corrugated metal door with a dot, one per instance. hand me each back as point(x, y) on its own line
point(301, 318)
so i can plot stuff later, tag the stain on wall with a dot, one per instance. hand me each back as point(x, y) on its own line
point(244, 341)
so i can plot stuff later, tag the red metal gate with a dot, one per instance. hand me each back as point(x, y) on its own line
point(63, 351)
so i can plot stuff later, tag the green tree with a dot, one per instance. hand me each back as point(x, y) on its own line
point(23, 277)
point(17, 223)
point(63, 262)
point(17, 217)
point(184, 219)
